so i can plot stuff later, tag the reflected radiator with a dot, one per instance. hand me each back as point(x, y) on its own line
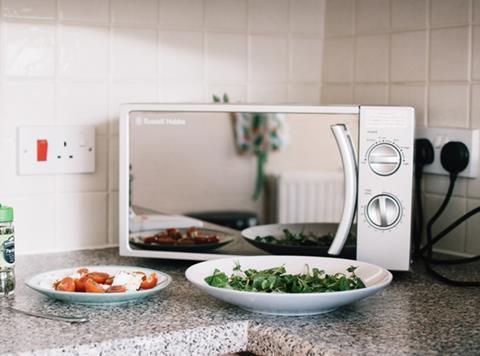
point(305, 197)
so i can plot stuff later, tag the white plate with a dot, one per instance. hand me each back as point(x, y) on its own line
point(43, 283)
point(375, 279)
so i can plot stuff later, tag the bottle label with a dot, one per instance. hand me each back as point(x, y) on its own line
point(7, 250)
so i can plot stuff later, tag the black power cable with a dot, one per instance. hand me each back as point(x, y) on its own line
point(424, 155)
point(454, 158)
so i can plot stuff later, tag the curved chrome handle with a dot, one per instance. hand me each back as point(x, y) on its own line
point(347, 152)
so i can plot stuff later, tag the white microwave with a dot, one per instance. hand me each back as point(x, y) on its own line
point(347, 168)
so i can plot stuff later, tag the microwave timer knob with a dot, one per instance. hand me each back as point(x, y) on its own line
point(383, 211)
point(384, 159)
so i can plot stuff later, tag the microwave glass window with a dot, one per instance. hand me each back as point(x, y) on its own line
point(196, 179)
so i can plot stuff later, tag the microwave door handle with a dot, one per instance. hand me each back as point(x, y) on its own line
point(347, 153)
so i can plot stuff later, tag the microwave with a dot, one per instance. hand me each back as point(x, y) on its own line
point(187, 172)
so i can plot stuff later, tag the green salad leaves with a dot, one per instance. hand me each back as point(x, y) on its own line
point(302, 239)
point(277, 280)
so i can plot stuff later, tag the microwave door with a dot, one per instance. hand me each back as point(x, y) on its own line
point(347, 153)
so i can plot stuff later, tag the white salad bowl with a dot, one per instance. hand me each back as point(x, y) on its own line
point(374, 277)
point(43, 283)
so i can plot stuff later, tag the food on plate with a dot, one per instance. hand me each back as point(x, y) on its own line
point(277, 280)
point(66, 285)
point(149, 282)
point(302, 239)
point(85, 281)
point(93, 287)
point(193, 236)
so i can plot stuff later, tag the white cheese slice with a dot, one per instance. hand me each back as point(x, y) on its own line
point(131, 281)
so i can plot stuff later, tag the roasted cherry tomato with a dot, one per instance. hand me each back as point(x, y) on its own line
point(82, 271)
point(192, 232)
point(117, 289)
point(213, 239)
point(93, 287)
point(109, 280)
point(150, 240)
point(150, 282)
point(166, 240)
point(202, 239)
point(99, 277)
point(188, 241)
point(66, 285)
point(80, 283)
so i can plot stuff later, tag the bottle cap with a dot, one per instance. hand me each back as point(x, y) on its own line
point(6, 213)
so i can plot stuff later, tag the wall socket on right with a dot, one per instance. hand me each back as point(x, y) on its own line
point(439, 136)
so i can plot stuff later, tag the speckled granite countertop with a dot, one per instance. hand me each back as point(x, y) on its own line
point(414, 315)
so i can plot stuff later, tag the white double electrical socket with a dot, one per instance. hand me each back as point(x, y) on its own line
point(440, 136)
point(55, 149)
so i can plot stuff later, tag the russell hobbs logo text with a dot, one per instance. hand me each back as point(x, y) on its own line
point(160, 121)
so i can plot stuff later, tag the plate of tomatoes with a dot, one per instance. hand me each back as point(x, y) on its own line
point(192, 239)
point(100, 284)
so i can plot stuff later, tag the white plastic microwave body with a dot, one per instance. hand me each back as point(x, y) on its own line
point(378, 177)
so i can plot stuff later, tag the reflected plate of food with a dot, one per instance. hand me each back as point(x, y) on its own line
point(100, 284)
point(192, 239)
point(309, 239)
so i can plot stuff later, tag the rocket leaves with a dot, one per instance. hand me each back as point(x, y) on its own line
point(277, 280)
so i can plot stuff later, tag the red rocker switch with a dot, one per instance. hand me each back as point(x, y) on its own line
point(42, 149)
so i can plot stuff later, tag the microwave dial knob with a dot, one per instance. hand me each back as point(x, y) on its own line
point(384, 159)
point(383, 211)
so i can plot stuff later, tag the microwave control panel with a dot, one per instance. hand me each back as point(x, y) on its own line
point(385, 179)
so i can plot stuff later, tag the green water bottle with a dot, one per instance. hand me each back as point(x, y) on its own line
point(7, 251)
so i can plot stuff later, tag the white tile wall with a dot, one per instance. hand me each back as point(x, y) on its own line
point(413, 95)
point(95, 11)
point(29, 50)
point(476, 53)
point(303, 93)
point(226, 14)
point(429, 58)
point(447, 105)
point(74, 62)
point(181, 55)
point(306, 59)
point(338, 61)
point(269, 58)
point(83, 52)
point(408, 13)
point(445, 12)
point(408, 68)
point(138, 12)
point(341, 17)
point(40, 9)
point(337, 93)
point(307, 16)
point(134, 54)
point(181, 13)
point(83, 102)
point(448, 54)
point(372, 16)
point(227, 57)
point(371, 58)
point(375, 94)
point(39, 111)
point(268, 15)
point(476, 11)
